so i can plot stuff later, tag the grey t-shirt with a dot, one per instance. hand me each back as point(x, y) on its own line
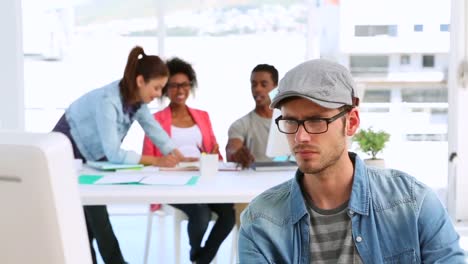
point(331, 238)
point(253, 130)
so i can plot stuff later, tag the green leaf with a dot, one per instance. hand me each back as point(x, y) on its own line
point(370, 141)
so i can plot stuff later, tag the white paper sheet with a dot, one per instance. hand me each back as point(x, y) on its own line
point(228, 166)
point(166, 179)
point(120, 178)
point(188, 164)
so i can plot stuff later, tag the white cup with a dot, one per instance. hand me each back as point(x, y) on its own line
point(208, 165)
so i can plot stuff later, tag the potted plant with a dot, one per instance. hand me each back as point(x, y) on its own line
point(372, 142)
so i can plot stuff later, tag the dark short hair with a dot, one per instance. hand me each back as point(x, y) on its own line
point(267, 68)
point(177, 65)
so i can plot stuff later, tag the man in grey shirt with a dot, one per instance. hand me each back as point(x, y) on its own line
point(248, 135)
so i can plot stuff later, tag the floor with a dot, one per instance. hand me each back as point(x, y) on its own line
point(130, 223)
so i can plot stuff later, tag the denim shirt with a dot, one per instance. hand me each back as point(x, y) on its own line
point(98, 124)
point(395, 219)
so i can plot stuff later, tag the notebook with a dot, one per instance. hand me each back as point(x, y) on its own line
point(195, 166)
point(183, 166)
point(274, 166)
point(137, 179)
point(108, 166)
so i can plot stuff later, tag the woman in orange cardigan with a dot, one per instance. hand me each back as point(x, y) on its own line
point(190, 130)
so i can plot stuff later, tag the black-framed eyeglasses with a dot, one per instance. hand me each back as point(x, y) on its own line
point(184, 85)
point(316, 125)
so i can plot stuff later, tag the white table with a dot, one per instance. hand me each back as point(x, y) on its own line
point(226, 187)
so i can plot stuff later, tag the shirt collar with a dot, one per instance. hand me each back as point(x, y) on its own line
point(298, 205)
point(360, 198)
point(131, 109)
point(360, 193)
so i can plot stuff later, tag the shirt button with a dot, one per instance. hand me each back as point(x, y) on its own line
point(351, 212)
point(358, 239)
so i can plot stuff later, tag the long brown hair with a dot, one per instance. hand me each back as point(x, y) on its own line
point(138, 63)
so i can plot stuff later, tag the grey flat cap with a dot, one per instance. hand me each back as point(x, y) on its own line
point(326, 83)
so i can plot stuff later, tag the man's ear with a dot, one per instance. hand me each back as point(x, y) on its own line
point(353, 122)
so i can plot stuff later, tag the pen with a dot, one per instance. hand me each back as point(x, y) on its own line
point(200, 148)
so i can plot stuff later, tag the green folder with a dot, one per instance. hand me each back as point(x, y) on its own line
point(85, 179)
point(88, 179)
point(108, 166)
point(192, 181)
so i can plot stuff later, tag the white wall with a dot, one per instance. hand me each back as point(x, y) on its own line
point(11, 66)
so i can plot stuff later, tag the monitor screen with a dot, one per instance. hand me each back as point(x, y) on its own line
point(277, 144)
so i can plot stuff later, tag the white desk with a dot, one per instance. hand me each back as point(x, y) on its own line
point(226, 187)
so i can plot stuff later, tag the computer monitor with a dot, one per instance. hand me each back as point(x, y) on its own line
point(42, 218)
point(277, 144)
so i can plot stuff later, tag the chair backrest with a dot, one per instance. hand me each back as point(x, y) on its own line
point(41, 214)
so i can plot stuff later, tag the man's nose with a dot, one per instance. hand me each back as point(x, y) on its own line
point(301, 134)
point(256, 87)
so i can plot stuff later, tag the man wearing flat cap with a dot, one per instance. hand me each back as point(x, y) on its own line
point(336, 209)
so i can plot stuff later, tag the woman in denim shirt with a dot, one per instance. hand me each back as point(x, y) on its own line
point(97, 122)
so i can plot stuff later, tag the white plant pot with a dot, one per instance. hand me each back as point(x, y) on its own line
point(380, 163)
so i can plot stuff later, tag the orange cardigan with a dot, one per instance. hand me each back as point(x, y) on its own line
point(201, 119)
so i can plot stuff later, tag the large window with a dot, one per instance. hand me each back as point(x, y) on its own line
point(405, 59)
point(444, 27)
point(424, 95)
point(87, 45)
point(375, 30)
point(428, 61)
point(418, 28)
point(375, 63)
point(223, 40)
point(377, 96)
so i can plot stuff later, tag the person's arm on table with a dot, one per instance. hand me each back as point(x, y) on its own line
point(236, 151)
point(156, 134)
point(107, 124)
point(164, 161)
